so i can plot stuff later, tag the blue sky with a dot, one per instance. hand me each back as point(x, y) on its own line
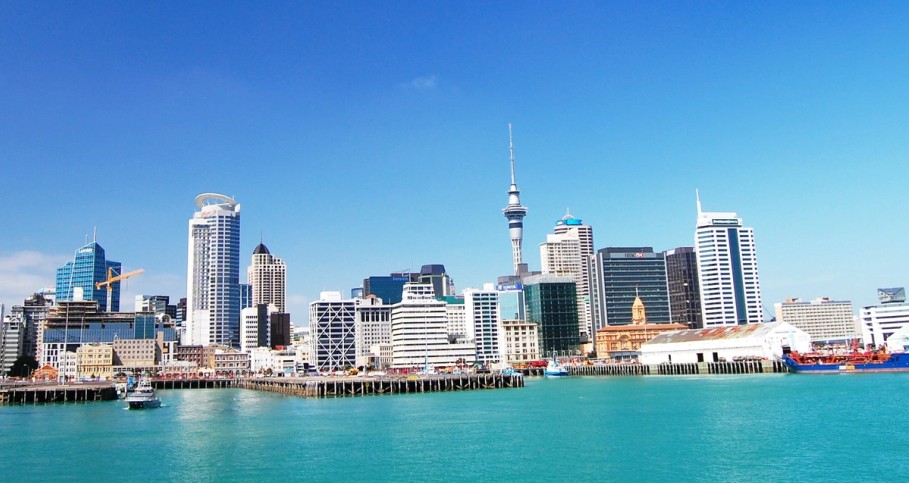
point(367, 137)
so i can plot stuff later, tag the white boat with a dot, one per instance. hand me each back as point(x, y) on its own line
point(143, 396)
point(555, 369)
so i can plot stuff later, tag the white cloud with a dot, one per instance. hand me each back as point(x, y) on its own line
point(25, 272)
point(423, 83)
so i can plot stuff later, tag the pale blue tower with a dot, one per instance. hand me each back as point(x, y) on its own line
point(515, 213)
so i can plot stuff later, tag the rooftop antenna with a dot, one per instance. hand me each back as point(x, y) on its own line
point(697, 195)
point(511, 151)
point(95, 234)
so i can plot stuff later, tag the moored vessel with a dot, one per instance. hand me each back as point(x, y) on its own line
point(855, 361)
point(143, 396)
point(553, 368)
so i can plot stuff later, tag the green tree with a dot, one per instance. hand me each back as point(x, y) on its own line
point(23, 366)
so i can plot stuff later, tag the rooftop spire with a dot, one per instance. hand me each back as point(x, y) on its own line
point(511, 151)
point(697, 195)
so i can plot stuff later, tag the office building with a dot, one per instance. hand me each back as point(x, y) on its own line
point(213, 272)
point(268, 277)
point(435, 275)
point(255, 327)
point(77, 279)
point(419, 332)
point(879, 322)
point(569, 225)
point(624, 273)
point(388, 288)
point(552, 305)
point(373, 320)
point(515, 213)
point(484, 326)
point(332, 322)
point(561, 256)
point(522, 341)
point(825, 321)
point(727, 270)
point(682, 281)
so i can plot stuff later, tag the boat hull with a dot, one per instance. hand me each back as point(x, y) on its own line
point(150, 404)
point(896, 363)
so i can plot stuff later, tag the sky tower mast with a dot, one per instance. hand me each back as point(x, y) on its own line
point(515, 212)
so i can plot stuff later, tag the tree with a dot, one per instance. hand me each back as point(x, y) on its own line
point(23, 366)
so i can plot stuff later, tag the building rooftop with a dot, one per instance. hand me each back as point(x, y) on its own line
point(261, 249)
point(716, 333)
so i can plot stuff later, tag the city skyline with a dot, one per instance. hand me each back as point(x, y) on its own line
point(383, 145)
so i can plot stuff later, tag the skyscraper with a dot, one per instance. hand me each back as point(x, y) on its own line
point(268, 277)
point(560, 257)
point(552, 305)
point(684, 293)
point(80, 275)
point(727, 270)
point(515, 213)
point(213, 272)
point(332, 322)
point(624, 273)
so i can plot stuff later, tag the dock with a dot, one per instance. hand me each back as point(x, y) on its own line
point(321, 387)
point(54, 393)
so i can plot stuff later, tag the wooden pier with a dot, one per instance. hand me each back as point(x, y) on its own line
point(46, 393)
point(322, 387)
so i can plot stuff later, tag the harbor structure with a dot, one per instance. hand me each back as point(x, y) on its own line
point(515, 212)
point(727, 269)
point(731, 343)
point(268, 276)
point(552, 305)
point(78, 278)
point(570, 225)
point(684, 290)
point(623, 341)
point(213, 272)
point(624, 273)
point(826, 321)
point(419, 332)
point(332, 322)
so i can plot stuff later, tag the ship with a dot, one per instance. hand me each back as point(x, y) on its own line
point(851, 362)
point(143, 396)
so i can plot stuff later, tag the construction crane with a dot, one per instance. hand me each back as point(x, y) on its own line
point(111, 279)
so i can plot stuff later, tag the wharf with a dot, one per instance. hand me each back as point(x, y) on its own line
point(735, 367)
point(54, 393)
point(321, 387)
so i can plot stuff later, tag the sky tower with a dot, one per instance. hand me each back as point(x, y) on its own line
point(515, 213)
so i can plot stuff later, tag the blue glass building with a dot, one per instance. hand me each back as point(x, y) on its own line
point(87, 268)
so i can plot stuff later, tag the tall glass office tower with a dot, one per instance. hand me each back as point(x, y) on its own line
point(80, 274)
point(727, 270)
point(213, 272)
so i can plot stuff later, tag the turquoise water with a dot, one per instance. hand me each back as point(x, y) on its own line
point(658, 428)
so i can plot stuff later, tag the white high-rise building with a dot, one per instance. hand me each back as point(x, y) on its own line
point(255, 327)
point(823, 319)
point(333, 322)
point(571, 225)
point(727, 270)
point(484, 326)
point(419, 332)
point(213, 272)
point(373, 328)
point(879, 322)
point(268, 277)
point(562, 255)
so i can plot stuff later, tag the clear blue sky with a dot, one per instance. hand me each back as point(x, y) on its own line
point(367, 137)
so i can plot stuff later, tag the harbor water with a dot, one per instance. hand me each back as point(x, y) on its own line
point(765, 427)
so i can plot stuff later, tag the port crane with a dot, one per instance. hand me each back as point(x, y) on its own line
point(111, 279)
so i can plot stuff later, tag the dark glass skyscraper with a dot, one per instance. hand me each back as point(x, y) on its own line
point(622, 273)
point(87, 268)
point(552, 303)
point(684, 293)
